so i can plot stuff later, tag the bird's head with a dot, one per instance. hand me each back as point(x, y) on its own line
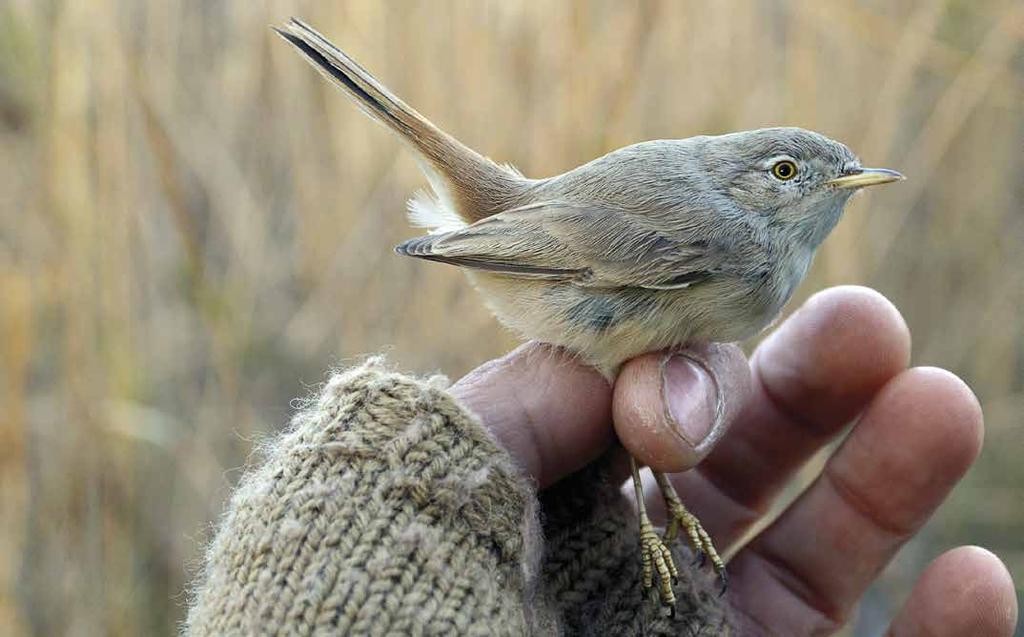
point(800, 180)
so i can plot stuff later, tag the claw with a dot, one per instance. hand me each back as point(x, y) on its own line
point(724, 577)
point(699, 558)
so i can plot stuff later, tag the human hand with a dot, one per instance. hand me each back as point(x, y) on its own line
point(843, 354)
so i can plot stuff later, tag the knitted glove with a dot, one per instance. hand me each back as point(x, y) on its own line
point(386, 508)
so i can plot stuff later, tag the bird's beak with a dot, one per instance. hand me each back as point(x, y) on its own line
point(860, 177)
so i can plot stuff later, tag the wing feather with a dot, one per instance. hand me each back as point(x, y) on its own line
point(584, 245)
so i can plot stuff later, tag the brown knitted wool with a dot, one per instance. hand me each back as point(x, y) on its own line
point(386, 508)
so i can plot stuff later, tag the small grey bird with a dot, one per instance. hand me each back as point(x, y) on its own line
point(656, 245)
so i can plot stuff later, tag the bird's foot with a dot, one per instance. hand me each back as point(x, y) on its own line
point(679, 518)
point(656, 559)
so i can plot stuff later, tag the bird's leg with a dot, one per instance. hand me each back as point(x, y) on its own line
point(678, 517)
point(654, 554)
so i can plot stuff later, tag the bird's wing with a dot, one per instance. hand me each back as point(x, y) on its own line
point(584, 245)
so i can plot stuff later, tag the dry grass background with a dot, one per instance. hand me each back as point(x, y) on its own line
point(194, 227)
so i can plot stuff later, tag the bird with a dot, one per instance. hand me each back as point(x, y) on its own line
point(657, 245)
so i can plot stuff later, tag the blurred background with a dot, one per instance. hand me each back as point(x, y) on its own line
point(195, 227)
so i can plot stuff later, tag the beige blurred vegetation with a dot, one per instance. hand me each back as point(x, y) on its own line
point(195, 226)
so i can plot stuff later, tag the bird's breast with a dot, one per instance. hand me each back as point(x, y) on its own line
point(779, 280)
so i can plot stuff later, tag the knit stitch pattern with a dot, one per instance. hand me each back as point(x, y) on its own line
point(592, 570)
point(386, 508)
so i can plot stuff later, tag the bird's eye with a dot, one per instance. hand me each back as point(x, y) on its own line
point(784, 170)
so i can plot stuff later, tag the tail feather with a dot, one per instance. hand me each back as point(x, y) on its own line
point(465, 182)
point(417, 247)
point(370, 95)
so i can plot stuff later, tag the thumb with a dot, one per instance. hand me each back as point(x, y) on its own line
point(548, 410)
point(670, 408)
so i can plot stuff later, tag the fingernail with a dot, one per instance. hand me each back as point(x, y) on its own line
point(690, 396)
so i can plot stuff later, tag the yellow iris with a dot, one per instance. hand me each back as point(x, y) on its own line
point(784, 170)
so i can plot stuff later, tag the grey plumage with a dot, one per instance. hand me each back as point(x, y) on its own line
point(696, 231)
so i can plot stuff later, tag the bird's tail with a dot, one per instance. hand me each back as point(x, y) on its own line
point(465, 182)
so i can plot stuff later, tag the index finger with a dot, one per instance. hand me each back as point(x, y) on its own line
point(671, 408)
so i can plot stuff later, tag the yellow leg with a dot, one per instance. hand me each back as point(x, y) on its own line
point(679, 517)
point(654, 554)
